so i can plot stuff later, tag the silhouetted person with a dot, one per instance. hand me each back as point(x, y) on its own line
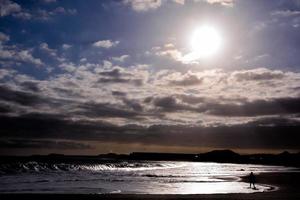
point(252, 180)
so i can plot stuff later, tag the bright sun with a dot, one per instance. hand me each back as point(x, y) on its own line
point(205, 41)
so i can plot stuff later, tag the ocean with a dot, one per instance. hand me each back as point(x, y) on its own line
point(131, 177)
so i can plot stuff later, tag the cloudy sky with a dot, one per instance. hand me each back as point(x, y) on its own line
point(90, 77)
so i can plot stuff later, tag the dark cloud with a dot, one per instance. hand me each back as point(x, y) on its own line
point(172, 104)
point(31, 86)
point(191, 99)
point(121, 80)
point(258, 75)
point(274, 121)
point(273, 133)
point(133, 104)
point(69, 107)
point(28, 101)
point(166, 102)
point(240, 108)
point(49, 126)
point(257, 107)
point(187, 80)
point(269, 133)
point(5, 108)
point(118, 93)
point(20, 97)
point(92, 109)
point(67, 91)
point(42, 144)
point(148, 99)
point(118, 75)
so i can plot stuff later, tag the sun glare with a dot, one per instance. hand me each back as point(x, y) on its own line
point(205, 41)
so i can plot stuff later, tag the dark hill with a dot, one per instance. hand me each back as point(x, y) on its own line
point(220, 156)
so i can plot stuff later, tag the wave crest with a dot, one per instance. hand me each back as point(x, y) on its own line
point(35, 167)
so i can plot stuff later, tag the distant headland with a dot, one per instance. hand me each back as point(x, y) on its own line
point(223, 156)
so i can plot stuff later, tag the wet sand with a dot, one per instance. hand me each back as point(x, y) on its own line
point(288, 184)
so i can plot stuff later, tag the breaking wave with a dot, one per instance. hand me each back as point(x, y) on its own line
point(35, 167)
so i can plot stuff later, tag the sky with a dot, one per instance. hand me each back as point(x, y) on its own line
point(117, 76)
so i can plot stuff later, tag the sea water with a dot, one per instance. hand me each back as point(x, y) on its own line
point(131, 177)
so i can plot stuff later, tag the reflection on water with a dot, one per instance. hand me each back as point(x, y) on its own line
point(131, 177)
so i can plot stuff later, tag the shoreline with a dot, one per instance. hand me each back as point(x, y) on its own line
point(287, 184)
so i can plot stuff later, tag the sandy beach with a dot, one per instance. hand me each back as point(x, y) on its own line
point(287, 183)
